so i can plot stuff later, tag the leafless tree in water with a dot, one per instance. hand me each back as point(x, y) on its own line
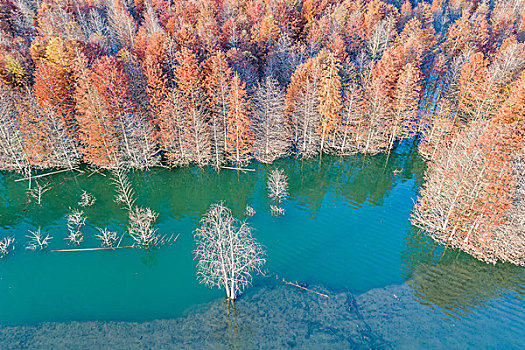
point(278, 185)
point(86, 199)
point(38, 191)
point(277, 211)
point(227, 253)
point(249, 211)
point(38, 240)
point(75, 221)
point(107, 237)
point(125, 194)
point(141, 227)
point(6, 245)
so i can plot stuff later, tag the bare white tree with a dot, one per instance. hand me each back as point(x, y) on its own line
point(12, 156)
point(382, 35)
point(277, 185)
point(227, 253)
point(249, 211)
point(283, 59)
point(277, 211)
point(64, 154)
point(122, 27)
point(38, 191)
point(6, 245)
point(305, 122)
point(75, 221)
point(137, 145)
point(125, 194)
point(273, 137)
point(141, 227)
point(38, 240)
point(107, 237)
point(86, 199)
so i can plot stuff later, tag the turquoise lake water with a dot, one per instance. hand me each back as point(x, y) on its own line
point(346, 230)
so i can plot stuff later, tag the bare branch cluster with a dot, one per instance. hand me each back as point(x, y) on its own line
point(141, 227)
point(6, 245)
point(38, 191)
point(249, 211)
point(125, 194)
point(107, 237)
point(38, 240)
point(86, 199)
point(278, 185)
point(75, 221)
point(227, 253)
point(277, 211)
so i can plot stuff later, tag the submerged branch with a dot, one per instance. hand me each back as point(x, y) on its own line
point(301, 287)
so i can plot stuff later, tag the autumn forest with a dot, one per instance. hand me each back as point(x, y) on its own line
point(137, 84)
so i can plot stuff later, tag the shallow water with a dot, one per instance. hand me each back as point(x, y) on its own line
point(346, 232)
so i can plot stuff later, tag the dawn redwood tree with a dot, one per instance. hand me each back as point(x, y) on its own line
point(282, 60)
point(218, 78)
point(349, 133)
point(97, 131)
point(240, 135)
point(478, 96)
point(439, 130)
point(135, 134)
point(468, 197)
point(122, 26)
point(376, 108)
point(43, 134)
point(271, 127)
point(154, 62)
point(12, 156)
point(174, 132)
point(330, 102)
point(302, 106)
point(54, 84)
point(227, 253)
point(191, 93)
point(405, 104)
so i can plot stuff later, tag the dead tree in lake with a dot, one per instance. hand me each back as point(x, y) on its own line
point(86, 199)
point(75, 221)
point(38, 240)
point(278, 185)
point(124, 191)
point(141, 227)
point(38, 191)
point(227, 253)
point(6, 246)
point(107, 237)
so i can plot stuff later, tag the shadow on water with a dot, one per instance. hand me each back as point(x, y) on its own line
point(189, 191)
point(454, 281)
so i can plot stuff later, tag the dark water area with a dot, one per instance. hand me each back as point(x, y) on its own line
point(346, 234)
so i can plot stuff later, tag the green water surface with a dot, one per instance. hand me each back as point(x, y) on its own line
point(346, 228)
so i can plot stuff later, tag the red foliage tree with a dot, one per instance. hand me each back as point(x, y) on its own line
point(239, 137)
point(192, 96)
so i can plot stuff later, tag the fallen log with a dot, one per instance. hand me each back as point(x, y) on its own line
point(42, 175)
point(91, 249)
point(241, 169)
point(300, 287)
